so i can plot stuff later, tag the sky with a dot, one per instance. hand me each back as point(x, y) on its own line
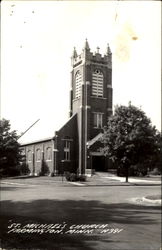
point(37, 40)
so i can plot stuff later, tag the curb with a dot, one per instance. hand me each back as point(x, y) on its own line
point(158, 201)
point(145, 201)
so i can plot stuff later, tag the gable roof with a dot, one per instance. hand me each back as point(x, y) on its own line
point(37, 141)
point(67, 123)
point(95, 139)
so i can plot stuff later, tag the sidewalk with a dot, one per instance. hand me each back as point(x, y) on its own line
point(109, 179)
point(133, 180)
point(99, 179)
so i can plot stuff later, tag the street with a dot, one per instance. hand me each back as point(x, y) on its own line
point(87, 217)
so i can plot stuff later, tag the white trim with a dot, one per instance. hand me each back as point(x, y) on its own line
point(55, 150)
point(87, 107)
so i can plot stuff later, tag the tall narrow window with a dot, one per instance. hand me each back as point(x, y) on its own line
point(38, 155)
point(78, 79)
point(66, 150)
point(97, 83)
point(49, 154)
point(98, 117)
point(29, 156)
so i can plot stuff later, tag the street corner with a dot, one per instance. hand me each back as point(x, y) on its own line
point(150, 200)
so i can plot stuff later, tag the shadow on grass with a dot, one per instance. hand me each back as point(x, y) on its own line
point(3, 188)
point(72, 212)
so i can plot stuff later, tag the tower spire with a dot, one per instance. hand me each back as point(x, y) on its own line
point(86, 45)
point(108, 51)
point(74, 55)
point(98, 50)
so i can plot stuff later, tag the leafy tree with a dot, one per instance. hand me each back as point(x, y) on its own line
point(129, 138)
point(10, 154)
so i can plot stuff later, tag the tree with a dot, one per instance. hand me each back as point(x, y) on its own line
point(130, 138)
point(10, 153)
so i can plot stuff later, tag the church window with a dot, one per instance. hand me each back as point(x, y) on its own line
point(78, 79)
point(98, 118)
point(97, 83)
point(29, 156)
point(49, 154)
point(38, 155)
point(66, 150)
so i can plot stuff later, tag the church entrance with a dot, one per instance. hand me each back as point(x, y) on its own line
point(99, 163)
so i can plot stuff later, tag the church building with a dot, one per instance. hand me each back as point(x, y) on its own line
point(76, 146)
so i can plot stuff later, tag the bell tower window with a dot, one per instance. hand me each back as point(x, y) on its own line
point(97, 83)
point(78, 79)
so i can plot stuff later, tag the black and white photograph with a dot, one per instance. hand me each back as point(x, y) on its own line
point(80, 125)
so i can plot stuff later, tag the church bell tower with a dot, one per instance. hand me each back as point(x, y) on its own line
point(90, 98)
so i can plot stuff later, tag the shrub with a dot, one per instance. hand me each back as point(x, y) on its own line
point(40, 173)
point(67, 176)
point(10, 171)
point(74, 177)
point(44, 169)
point(155, 171)
point(25, 169)
point(82, 178)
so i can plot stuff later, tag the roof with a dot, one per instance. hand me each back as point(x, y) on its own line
point(95, 139)
point(37, 141)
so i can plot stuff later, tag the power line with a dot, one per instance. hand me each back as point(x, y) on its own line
point(28, 129)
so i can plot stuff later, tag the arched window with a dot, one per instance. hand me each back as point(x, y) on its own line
point(49, 154)
point(29, 156)
point(97, 83)
point(38, 155)
point(78, 79)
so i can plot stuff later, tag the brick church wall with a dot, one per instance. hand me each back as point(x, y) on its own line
point(36, 153)
point(70, 132)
